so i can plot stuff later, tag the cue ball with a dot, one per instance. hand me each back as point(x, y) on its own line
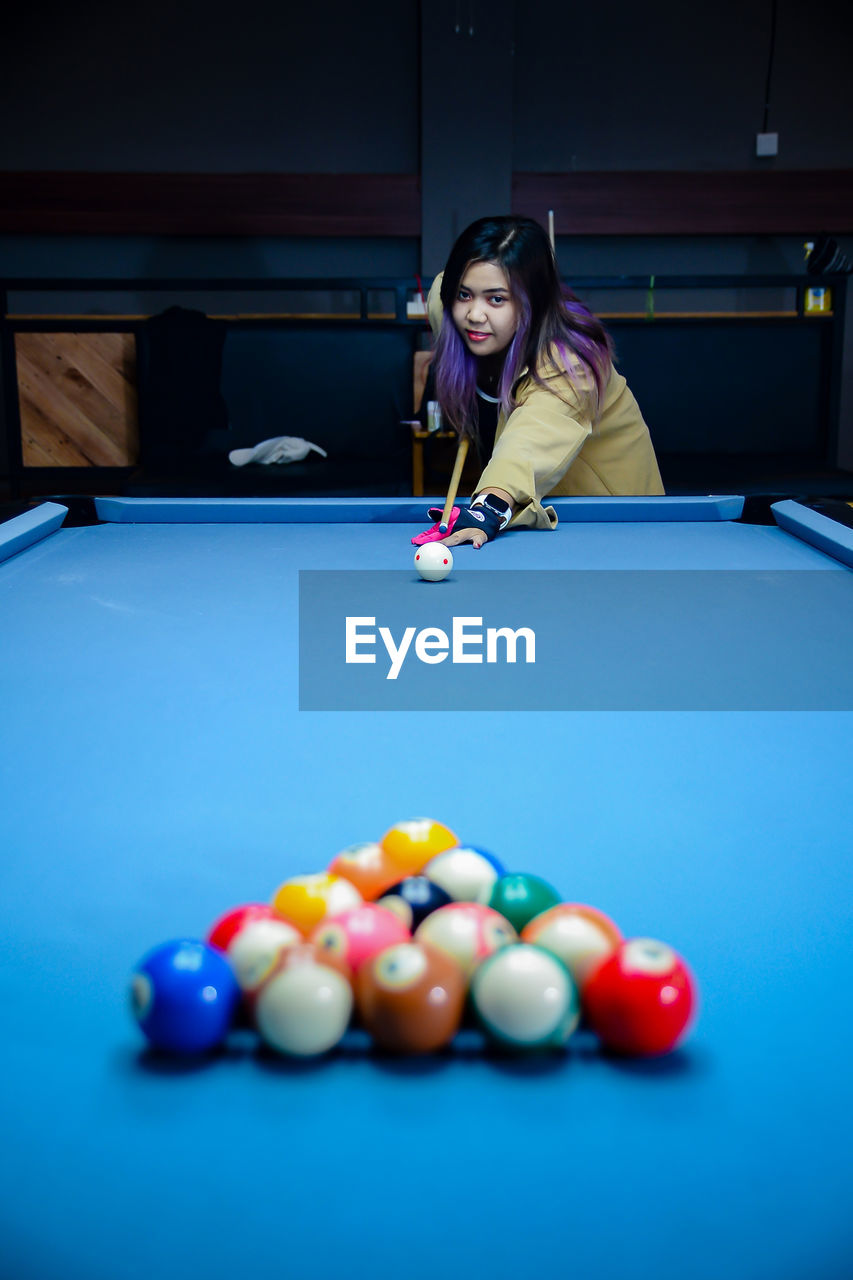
point(433, 561)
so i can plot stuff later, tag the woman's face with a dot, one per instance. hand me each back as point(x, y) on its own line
point(484, 311)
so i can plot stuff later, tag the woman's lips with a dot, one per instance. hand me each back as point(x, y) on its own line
point(476, 337)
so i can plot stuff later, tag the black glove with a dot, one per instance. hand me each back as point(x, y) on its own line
point(486, 512)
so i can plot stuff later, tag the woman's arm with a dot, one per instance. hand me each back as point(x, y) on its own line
point(539, 442)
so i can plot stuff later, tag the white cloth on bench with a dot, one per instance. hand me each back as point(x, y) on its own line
point(278, 449)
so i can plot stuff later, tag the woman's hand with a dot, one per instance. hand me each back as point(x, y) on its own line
point(482, 521)
point(477, 536)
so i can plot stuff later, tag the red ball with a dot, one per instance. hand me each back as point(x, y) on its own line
point(640, 1000)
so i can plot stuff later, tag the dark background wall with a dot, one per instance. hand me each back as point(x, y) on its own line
point(547, 86)
point(213, 87)
point(668, 85)
point(462, 93)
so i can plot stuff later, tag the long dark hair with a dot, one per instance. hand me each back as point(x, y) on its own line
point(553, 323)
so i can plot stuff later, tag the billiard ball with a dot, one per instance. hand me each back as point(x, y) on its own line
point(468, 932)
point(223, 929)
point(411, 844)
point(254, 949)
point(306, 900)
point(521, 897)
point(368, 867)
point(360, 933)
point(413, 899)
point(640, 999)
point(304, 1006)
point(433, 561)
point(466, 873)
point(525, 998)
point(410, 998)
point(580, 936)
point(184, 996)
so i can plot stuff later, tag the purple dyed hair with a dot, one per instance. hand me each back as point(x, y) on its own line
point(553, 321)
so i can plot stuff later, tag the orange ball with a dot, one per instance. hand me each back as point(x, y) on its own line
point(410, 845)
point(582, 937)
point(368, 867)
point(306, 900)
point(410, 998)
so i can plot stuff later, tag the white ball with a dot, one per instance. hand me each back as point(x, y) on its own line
point(463, 873)
point(305, 1009)
point(255, 948)
point(433, 561)
point(525, 997)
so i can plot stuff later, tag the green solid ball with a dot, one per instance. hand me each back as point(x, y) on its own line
point(521, 897)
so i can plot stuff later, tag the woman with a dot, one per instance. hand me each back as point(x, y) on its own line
point(526, 371)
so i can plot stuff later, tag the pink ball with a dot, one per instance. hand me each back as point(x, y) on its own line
point(357, 935)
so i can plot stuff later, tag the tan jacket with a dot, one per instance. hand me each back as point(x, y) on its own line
point(551, 445)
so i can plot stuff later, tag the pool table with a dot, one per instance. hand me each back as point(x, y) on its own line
point(163, 759)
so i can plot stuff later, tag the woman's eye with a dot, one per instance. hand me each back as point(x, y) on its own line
point(497, 299)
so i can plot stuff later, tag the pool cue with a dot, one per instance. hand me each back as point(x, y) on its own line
point(461, 454)
point(551, 229)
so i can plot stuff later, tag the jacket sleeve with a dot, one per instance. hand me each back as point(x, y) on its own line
point(540, 440)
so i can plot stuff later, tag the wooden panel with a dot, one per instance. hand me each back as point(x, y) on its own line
point(77, 398)
point(749, 203)
point(282, 204)
point(775, 202)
